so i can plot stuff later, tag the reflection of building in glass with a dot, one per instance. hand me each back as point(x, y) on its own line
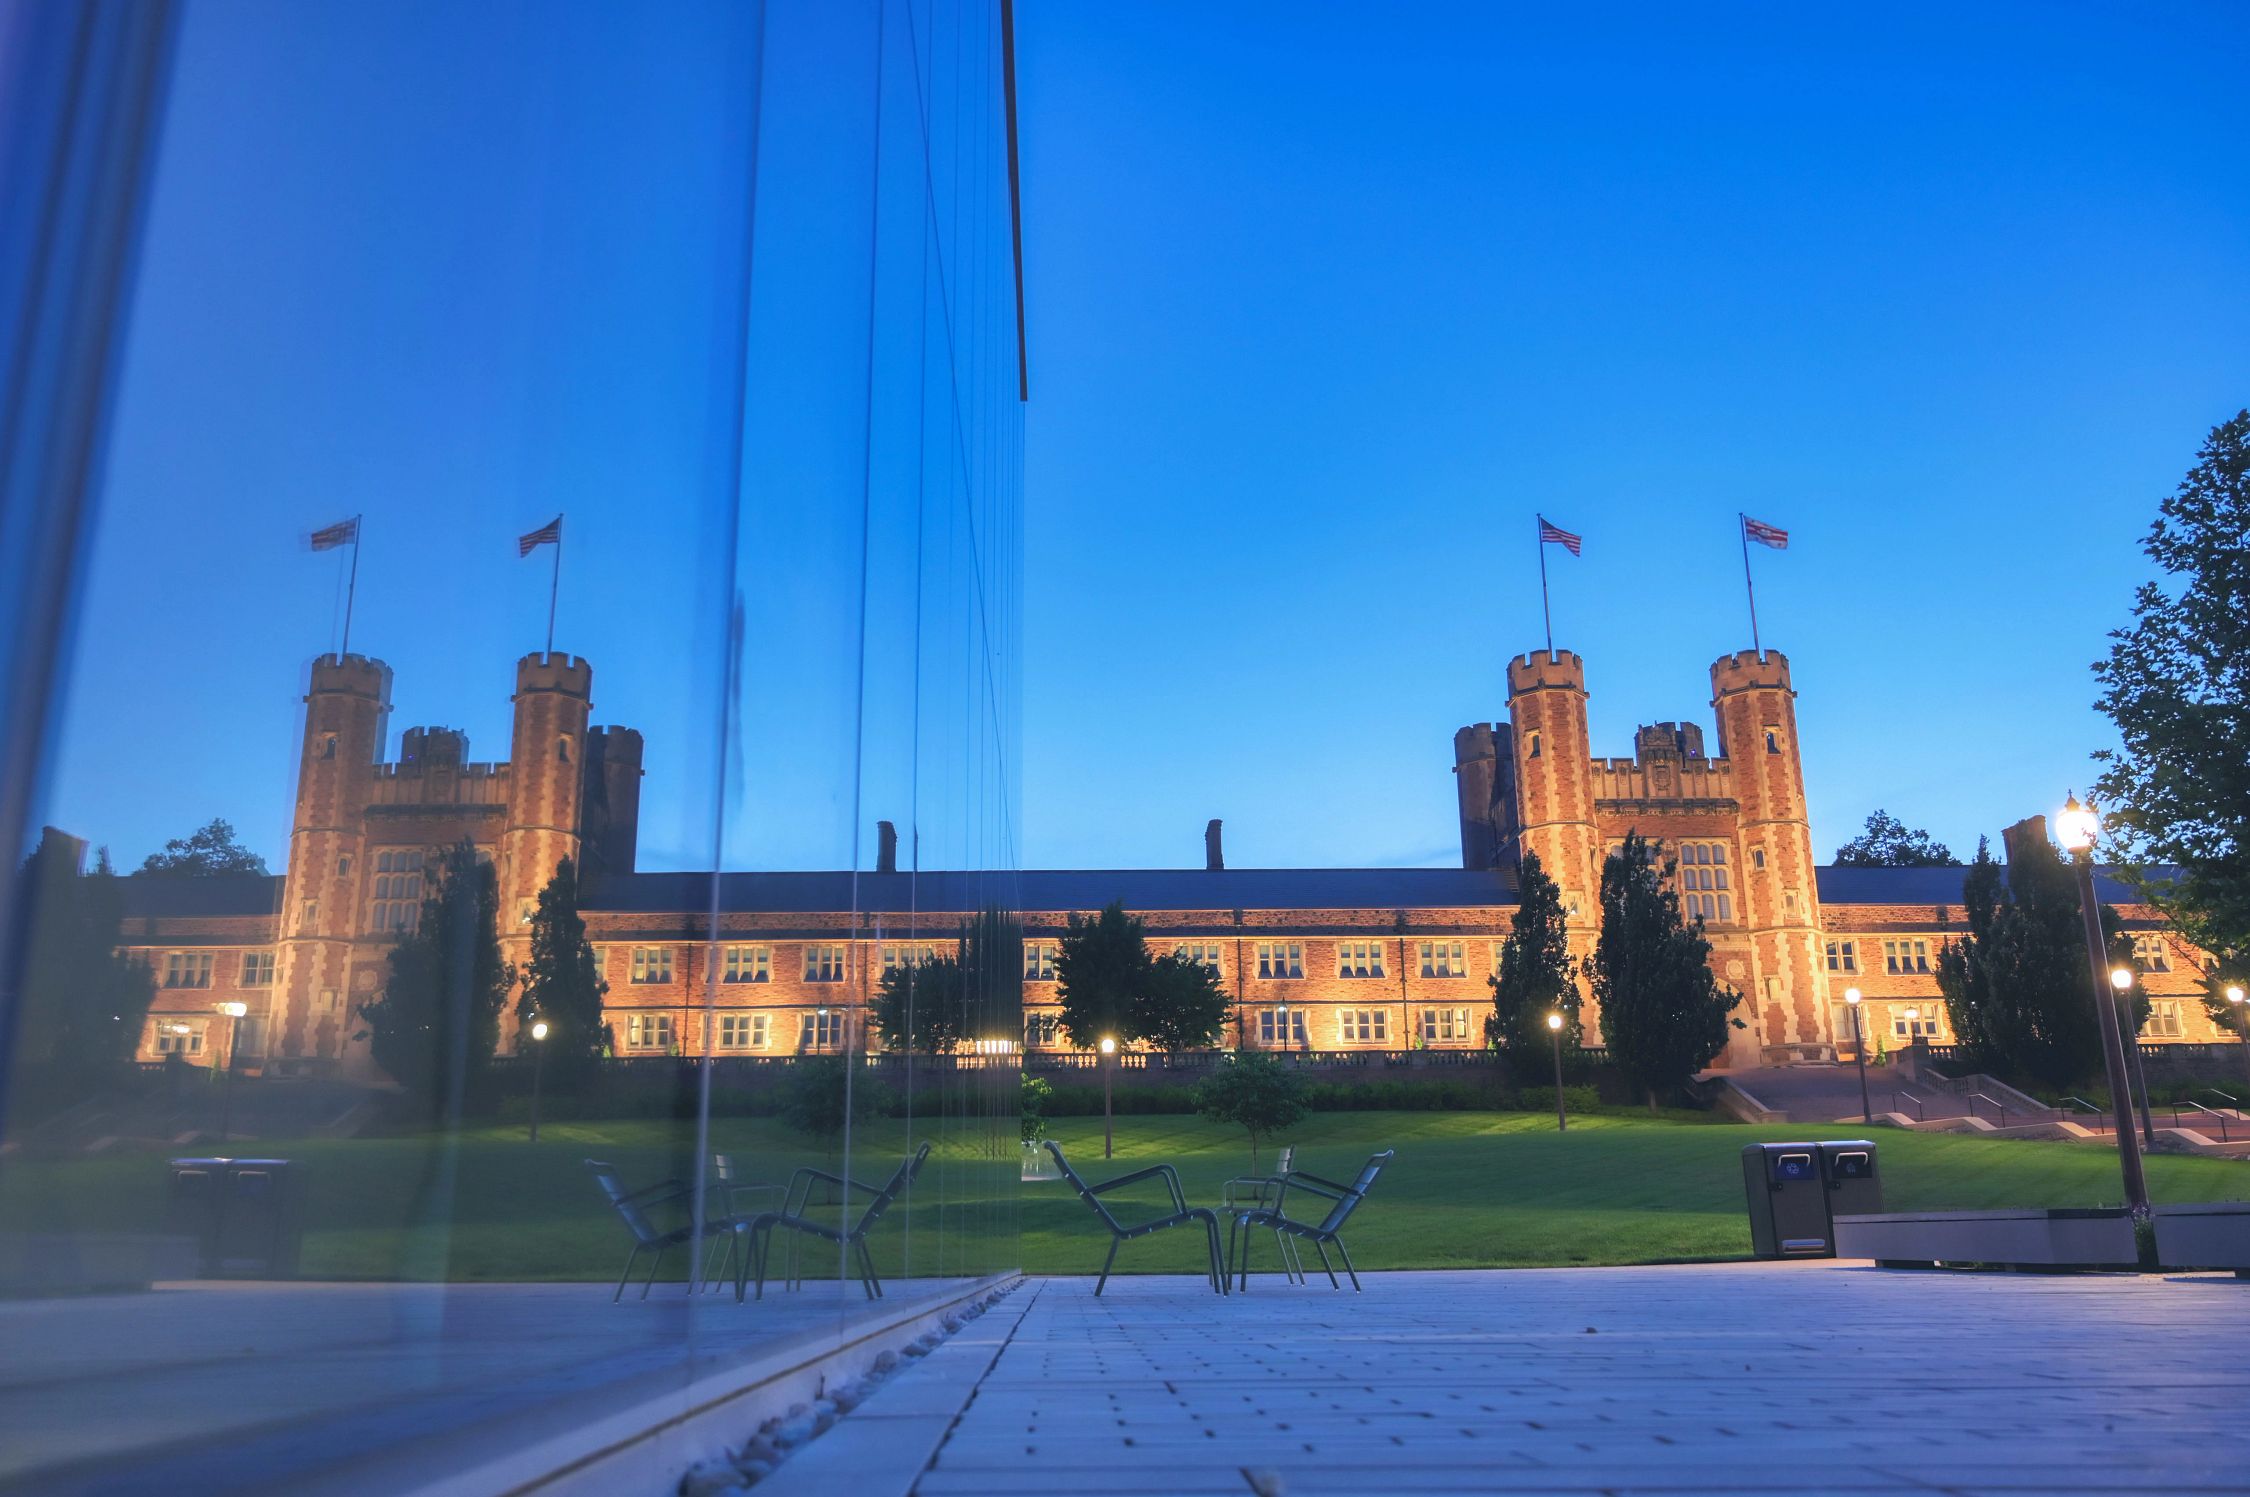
point(1316, 959)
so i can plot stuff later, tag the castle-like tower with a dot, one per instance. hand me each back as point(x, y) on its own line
point(1735, 822)
point(368, 835)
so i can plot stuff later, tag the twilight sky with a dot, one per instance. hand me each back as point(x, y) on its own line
point(1322, 310)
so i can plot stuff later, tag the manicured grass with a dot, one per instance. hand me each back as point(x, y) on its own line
point(1467, 1190)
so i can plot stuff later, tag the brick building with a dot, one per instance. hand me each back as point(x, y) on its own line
point(1317, 959)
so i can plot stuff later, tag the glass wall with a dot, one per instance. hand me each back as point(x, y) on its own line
point(529, 791)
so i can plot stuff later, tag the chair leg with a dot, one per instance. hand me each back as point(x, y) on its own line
point(1234, 1232)
point(1325, 1264)
point(1348, 1265)
point(1242, 1264)
point(627, 1274)
point(1218, 1265)
point(653, 1265)
point(868, 1279)
point(765, 1252)
point(1106, 1264)
point(1291, 1268)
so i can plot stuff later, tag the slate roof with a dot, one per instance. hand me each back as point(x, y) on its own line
point(200, 898)
point(1049, 890)
point(1928, 886)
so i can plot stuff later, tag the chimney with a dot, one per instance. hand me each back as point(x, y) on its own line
point(886, 847)
point(1213, 858)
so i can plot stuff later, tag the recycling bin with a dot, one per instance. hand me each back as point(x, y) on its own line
point(245, 1216)
point(1855, 1186)
point(1788, 1201)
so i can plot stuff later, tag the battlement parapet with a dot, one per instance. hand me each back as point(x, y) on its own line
point(615, 745)
point(1747, 670)
point(350, 675)
point(571, 675)
point(1476, 741)
point(1546, 668)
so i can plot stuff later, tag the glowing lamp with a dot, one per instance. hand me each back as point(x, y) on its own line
point(539, 1030)
point(232, 1010)
point(2121, 978)
point(1109, 1046)
point(1554, 1021)
point(1851, 995)
point(2077, 826)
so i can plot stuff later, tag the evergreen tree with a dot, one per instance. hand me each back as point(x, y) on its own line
point(923, 1006)
point(212, 850)
point(1887, 842)
point(438, 1020)
point(2176, 794)
point(1101, 970)
point(1664, 1015)
point(1537, 976)
point(2017, 988)
point(1180, 1005)
point(80, 1002)
point(563, 984)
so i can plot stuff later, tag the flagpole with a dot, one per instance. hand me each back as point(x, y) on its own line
point(1742, 523)
point(554, 586)
point(1539, 530)
point(351, 589)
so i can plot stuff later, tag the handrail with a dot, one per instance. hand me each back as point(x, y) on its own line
point(1997, 1106)
point(2097, 1118)
point(2207, 1112)
point(1909, 1096)
point(2230, 1098)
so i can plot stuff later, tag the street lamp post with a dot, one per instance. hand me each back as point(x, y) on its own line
point(538, 1064)
point(1859, 1054)
point(1109, 1057)
point(2121, 978)
point(233, 1013)
point(1554, 1028)
point(2235, 997)
point(2078, 826)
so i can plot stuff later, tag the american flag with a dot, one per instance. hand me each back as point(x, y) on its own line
point(1560, 537)
point(533, 540)
point(1764, 534)
point(342, 533)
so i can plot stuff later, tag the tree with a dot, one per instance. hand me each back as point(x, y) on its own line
point(2016, 985)
point(1257, 1093)
point(1101, 969)
point(922, 1006)
point(1664, 1016)
point(1537, 976)
point(79, 1002)
point(2176, 793)
point(1180, 1005)
point(822, 1096)
point(438, 1020)
point(991, 955)
point(562, 983)
point(1887, 842)
point(208, 852)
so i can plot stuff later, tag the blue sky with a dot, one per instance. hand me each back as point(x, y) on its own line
point(1321, 310)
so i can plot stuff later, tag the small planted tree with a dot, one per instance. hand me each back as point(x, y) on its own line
point(1180, 1005)
point(1101, 972)
point(1664, 1015)
point(438, 1019)
point(822, 1097)
point(562, 983)
point(1537, 976)
point(1256, 1093)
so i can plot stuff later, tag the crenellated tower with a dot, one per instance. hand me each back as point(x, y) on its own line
point(347, 711)
point(547, 760)
point(1548, 760)
point(1476, 786)
point(1786, 1000)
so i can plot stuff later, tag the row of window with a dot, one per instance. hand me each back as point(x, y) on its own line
point(822, 1029)
point(2152, 952)
point(193, 969)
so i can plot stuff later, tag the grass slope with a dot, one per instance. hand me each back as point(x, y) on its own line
point(1467, 1190)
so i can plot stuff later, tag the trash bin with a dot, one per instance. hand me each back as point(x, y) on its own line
point(1788, 1201)
point(245, 1216)
point(1855, 1186)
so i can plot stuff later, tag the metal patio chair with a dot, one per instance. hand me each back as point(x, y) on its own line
point(1119, 1233)
point(1321, 1234)
point(1254, 1192)
point(792, 1217)
point(633, 1208)
point(741, 1201)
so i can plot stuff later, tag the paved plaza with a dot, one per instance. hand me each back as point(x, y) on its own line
point(1723, 1378)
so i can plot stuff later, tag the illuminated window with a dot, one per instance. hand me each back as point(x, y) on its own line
point(649, 1032)
point(257, 969)
point(1363, 1026)
point(1704, 882)
point(2163, 1019)
point(396, 898)
point(907, 954)
point(821, 1030)
point(1906, 954)
point(1929, 1025)
point(170, 1041)
point(1281, 959)
point(824, 963)
point(1042, 1030)
point(1281, 1026)
point(2152, 952)
point(187, 969)
point(746, 964)
point(1445, 959)
point(1204, 953)
point(1843, 956)
point(1444, 1025)
point(743, 1031)
point(1039, 960)
point(652, 964)
point(1359, 958)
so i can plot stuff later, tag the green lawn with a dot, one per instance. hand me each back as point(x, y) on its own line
point(1467, 1190)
